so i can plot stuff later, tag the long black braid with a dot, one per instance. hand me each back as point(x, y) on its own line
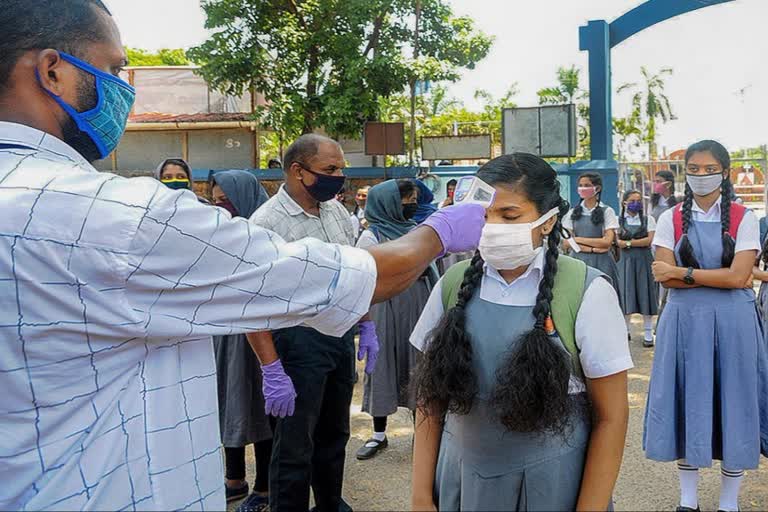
point(598, 214)
point(531, 391)
point(624, 233)
point(687, 256)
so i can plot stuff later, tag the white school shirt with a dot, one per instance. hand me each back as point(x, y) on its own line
point(110, 289)
point(637, 221)
point(747, 237)
point(611, 221)
point(601, 331)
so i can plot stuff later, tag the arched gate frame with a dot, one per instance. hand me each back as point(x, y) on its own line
point(598, 37)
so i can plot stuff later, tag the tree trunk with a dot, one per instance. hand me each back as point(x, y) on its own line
point(310, 112)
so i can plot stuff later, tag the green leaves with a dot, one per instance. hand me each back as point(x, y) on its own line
point(327, 63)
point(650, 104)
point(164, 57)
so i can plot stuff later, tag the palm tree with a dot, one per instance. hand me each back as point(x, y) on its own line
point(567, 89)
point(651, 100)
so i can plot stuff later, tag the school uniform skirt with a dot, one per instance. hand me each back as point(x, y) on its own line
point(242, 419)
point(481, 466)
point(708, 395)
point(386, 388)
point(638, 289)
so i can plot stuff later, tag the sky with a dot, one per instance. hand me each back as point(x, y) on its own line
point(717, 53)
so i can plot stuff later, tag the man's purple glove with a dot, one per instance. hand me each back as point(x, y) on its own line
point(369, 345)
point(279, 393)
point(459, 227)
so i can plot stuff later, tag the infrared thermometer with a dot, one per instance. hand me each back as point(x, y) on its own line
point(471, 189)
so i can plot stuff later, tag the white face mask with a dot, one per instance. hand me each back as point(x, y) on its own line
point(510, 246)
point(704, 185)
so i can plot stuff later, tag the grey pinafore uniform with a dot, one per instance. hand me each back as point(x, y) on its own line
point(386, 388)
point(639, 290)
point(708, 395)
point(584, 228)
point(481, 465)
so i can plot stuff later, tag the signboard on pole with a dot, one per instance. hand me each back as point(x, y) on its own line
point(546, 131)
point(384, 138)
point(456, 147)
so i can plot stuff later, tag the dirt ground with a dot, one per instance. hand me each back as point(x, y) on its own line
point(384, 483)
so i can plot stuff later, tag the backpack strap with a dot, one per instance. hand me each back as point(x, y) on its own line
point(451, 284)
point(737, 215)
point(568, 291)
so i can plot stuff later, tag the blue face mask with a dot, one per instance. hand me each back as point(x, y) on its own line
point(105, 123)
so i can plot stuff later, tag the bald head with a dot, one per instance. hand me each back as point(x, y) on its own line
point(307, 147)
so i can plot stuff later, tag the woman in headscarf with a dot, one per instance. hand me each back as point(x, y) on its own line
point(425, 199)
point(389, 212)
point(241, 403)
point(175, 173)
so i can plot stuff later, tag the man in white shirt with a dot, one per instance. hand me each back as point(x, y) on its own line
point(111, 288)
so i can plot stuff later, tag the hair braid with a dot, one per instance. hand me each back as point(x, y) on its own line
point(578, 211)
point(444, 379)
point(598, 214)
point(729, 245)
point(623, 231)
point(531, 392)
point(687, 256)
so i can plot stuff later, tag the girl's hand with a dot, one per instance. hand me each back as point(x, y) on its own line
point(597, 250)
point(663, 272)
point(423, 505)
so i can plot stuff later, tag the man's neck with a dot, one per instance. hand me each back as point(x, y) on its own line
point(299, 194)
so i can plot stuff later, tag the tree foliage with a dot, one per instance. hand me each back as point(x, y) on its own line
point(651, 104)
point(164, 57)
point(326, 63)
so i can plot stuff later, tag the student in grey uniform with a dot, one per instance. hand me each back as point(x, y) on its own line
point(389, 211)
point(663, 197)
point(640, 292)
point(708, 393)
point(761, 274)
point(522, 389)
point(242, 419)
point(593, 226)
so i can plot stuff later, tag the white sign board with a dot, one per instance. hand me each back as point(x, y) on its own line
point(456, 147)
point(547, 131)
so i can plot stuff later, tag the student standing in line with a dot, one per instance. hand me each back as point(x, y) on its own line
point(522, 389)
point(391, 206)
point(639, 290)
point(760, 272)
point(663, 197)
point(708, 395)
point(450, 188)
point(593, 226)
point(242, 418)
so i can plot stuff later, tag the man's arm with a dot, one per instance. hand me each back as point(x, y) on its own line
point(194, 271)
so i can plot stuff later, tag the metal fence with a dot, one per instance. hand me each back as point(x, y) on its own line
point(748, 176)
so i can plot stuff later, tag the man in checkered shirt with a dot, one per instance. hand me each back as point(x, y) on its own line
point(110, 288)
point(309, 446)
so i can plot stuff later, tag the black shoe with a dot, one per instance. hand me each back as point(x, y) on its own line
point(688, 509)
point(368, 452)
point(236, 493)
point(629, 336)
point(254, 503)
point(648, 343)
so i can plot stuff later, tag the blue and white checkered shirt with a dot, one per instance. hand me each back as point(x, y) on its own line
point(110, 289)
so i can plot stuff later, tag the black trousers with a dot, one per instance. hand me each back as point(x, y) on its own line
point(309, 447)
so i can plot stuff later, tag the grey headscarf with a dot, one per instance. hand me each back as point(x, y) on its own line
point(243, 190)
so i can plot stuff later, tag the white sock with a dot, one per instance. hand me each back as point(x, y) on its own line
point(689, 485)
point(378, 436)
point(729, 489)
point(648, 326)
point(628, 319)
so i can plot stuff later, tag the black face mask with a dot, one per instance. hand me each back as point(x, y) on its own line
point(325, 187)
point(409, 210)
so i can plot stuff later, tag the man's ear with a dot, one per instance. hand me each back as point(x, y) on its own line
point(53, 72)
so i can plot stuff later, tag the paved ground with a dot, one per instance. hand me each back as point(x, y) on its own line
point(384, 483)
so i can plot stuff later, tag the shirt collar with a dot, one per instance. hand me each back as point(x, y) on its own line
point(535, 269)
point(292, 207)
point(714, 209)
point(14, 133)
point(598, 205)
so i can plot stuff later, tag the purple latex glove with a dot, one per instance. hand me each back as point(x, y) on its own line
point(459, 227)
point(369, 345)
point(279, 393)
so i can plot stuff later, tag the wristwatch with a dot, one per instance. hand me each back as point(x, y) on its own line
point(629, 244)
point(688, 279)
